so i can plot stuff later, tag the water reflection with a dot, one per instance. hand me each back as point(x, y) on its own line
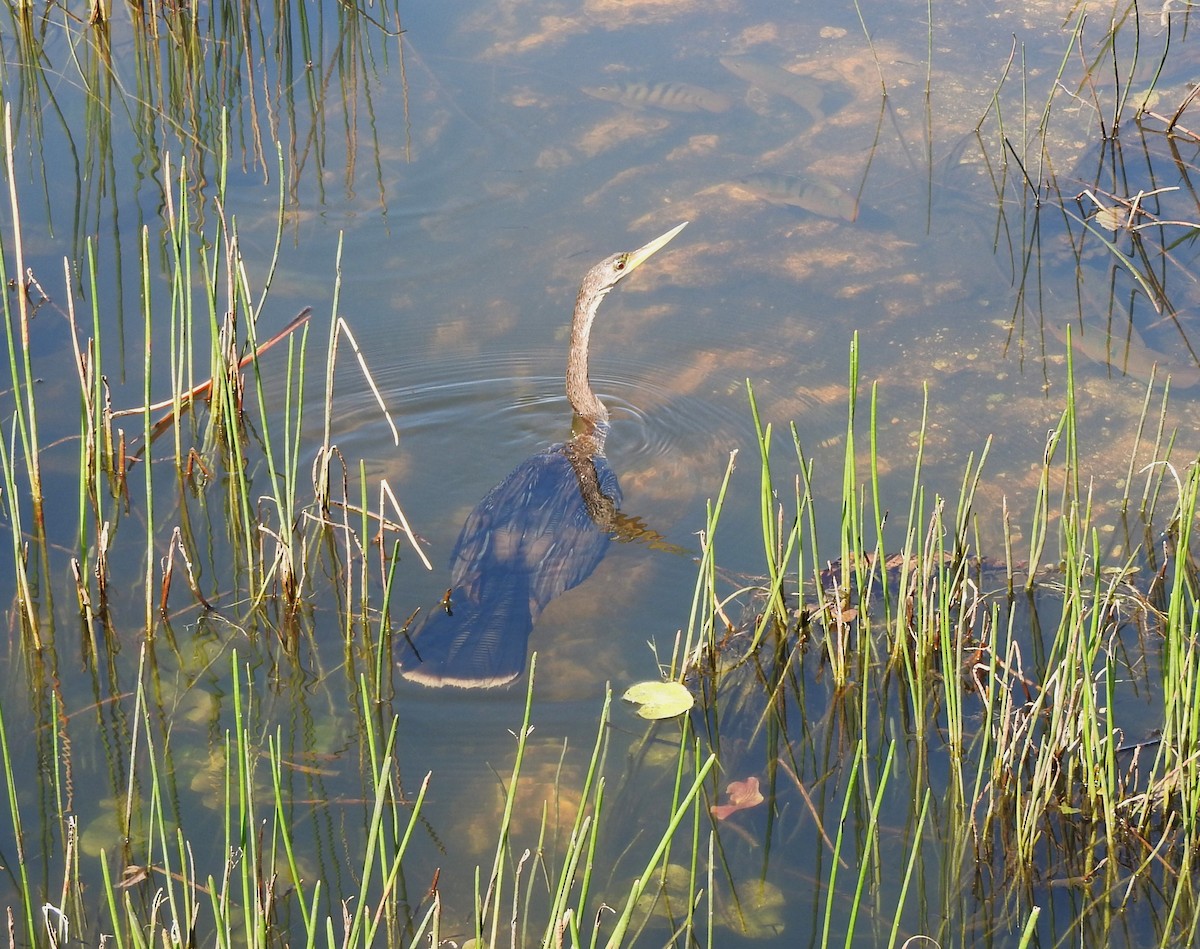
point(537, 534)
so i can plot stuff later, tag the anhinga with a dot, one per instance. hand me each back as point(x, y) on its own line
point(538, 533)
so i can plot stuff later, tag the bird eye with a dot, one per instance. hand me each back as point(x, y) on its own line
point(621, 262)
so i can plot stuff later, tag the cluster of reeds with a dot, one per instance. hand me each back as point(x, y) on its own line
point(916, 671)
point(200, 509)
point(1101, 239)
point(156, 74)
point(197, 508)
point(1041, 701)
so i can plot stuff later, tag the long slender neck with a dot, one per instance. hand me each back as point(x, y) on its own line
point(579, 388)
point(582, 451)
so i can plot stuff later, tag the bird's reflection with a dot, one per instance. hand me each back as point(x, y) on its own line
point(538, 533)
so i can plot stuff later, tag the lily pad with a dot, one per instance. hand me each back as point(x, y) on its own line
point(756, 913)
point(658, 700)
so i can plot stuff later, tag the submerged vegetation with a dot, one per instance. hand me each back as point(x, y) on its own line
point(900, 730)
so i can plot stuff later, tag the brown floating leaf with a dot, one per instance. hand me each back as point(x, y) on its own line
point(741, 794)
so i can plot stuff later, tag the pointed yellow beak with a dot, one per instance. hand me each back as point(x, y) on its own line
point(640, 255)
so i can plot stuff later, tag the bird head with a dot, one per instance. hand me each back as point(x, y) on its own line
point(609, 272)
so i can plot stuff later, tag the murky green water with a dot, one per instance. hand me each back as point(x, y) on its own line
point(471, 182)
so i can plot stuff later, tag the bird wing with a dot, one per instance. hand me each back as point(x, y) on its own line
point(531, 538)
point(478, 644)
point(534, 526)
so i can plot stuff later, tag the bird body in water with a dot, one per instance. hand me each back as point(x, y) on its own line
point(537, 534)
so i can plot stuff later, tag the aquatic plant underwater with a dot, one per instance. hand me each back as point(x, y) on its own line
point(899, 729)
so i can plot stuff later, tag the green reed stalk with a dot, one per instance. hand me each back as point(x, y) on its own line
point(880, 509)
point(959, 615)
point(147, 432)
point(701, 632)
point(275, 760)
point(710, 889)
point(1175, 770)
point(871, 45)
point(1029, 933)
point(1109, 739)
point(851, 527)
point(1138, 433)
point(642, 883)
point(694, 864)
point(28, 904)
point(806, 514)
point(24, 423)
point(490, 909)
point(324, 454)
point(956, 619)
point(972, 475)
point(853, 571)
point(383, 645)
point(104, 450)
point(1041, 504)
point(1076, 744)
point(244, 824)
point(585, 830)
point(109, 891)
point(766, 505)
point(1183, 899)
point(589, 866)
point(225, 412)
point(182, 342)
point(1071, 487)
point(579, 847)
point(387, 788)
point(681, 761)
point(26, 599)
point(872, 564)
point(224, 282)
point(26, 402)
point(931, 618)
point(870, 842)
point(778, 553)
point(364, 527)
point(997, 698)
point(917, 838)
point(89, 472)
point(1155, 472)
point(361, 931)
point(282, 471)
point(831, 884)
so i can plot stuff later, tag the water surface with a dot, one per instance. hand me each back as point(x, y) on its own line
point(472, 189)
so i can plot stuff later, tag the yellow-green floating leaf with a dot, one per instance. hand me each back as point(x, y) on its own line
point(659, 699)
